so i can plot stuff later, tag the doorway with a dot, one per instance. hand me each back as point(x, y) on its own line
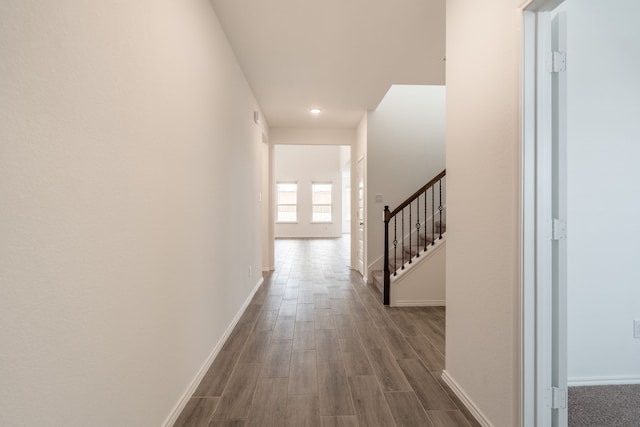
point(361, 217)
point(544, 215)
point(580, 150)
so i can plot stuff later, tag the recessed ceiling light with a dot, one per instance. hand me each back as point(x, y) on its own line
point(315, 111)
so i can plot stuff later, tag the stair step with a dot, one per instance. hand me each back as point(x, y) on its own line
point(417, 247)
point(430, 240)
point(409, 253)
point(430, 232)
point(398, 262)
point(413, 250)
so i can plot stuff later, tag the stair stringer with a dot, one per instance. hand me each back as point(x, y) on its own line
point(422, 283)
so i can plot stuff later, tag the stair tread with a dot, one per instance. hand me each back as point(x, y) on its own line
point(416, 247)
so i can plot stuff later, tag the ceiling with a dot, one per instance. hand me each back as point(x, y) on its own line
point(337, 55)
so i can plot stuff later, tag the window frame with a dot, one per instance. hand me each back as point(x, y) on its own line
point(330, 204)
point(278, 204)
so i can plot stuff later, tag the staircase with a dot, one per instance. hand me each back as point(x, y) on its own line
point(416, 225)
point(398, 264)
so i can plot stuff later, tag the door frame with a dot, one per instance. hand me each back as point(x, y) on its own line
point(360, 169)
point(539, 353)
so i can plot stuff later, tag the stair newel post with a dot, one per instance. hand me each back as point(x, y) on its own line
point(387, 274)
point(440, 208)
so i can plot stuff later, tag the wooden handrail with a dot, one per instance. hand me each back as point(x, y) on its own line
point(415, 195)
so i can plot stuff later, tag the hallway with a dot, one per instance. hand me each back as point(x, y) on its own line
point(316, 348)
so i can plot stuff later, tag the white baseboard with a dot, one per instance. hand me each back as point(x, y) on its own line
point(420, 303)
point(175, 413)
point(616, 380)
point(466, 400)
point(320, 236)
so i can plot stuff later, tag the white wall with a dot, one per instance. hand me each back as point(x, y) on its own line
point(424, 283)
point(305, 164)
point(603, 190)
point(405, 149)
point(312, 136)
point(129, 181)
point(483, 176)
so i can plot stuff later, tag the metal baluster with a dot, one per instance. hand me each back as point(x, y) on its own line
point(426, 244)
point(444, 212)
point(403, 239)
point(418, 226)
point(395, 245)
point(433, 216)
point(410, 225)
point(440, 209)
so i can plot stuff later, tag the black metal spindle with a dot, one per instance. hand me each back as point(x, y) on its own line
point(426, 244)
point(418, 226)
point(444, 210)
point(433, 216)
point(440, 208)
point(403, 239)
point(395, 245)
point(410, 226)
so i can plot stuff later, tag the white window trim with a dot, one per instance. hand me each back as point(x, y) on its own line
point(283, 204)
point(322, 204)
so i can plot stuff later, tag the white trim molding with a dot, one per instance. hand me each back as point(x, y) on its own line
point(466, 400)
point(420, 303)
point(175, 413)
point(616, 380)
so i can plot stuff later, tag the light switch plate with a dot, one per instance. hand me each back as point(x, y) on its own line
point(636, 328)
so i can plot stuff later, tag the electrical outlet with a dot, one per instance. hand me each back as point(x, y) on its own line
point(636, 328)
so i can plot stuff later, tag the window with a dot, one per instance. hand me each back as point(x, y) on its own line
point(321, 201)
point(287, 202)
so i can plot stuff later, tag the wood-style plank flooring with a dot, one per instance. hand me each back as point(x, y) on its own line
point(316, 347)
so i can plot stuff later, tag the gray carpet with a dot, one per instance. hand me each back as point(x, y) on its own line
point(604, 406)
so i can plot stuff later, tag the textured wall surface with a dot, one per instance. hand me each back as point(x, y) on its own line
point(483, 192)
point(129, 212)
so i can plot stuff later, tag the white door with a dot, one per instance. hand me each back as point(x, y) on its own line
point(361, 216)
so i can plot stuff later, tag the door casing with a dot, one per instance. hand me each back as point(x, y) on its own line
point(543, 296)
